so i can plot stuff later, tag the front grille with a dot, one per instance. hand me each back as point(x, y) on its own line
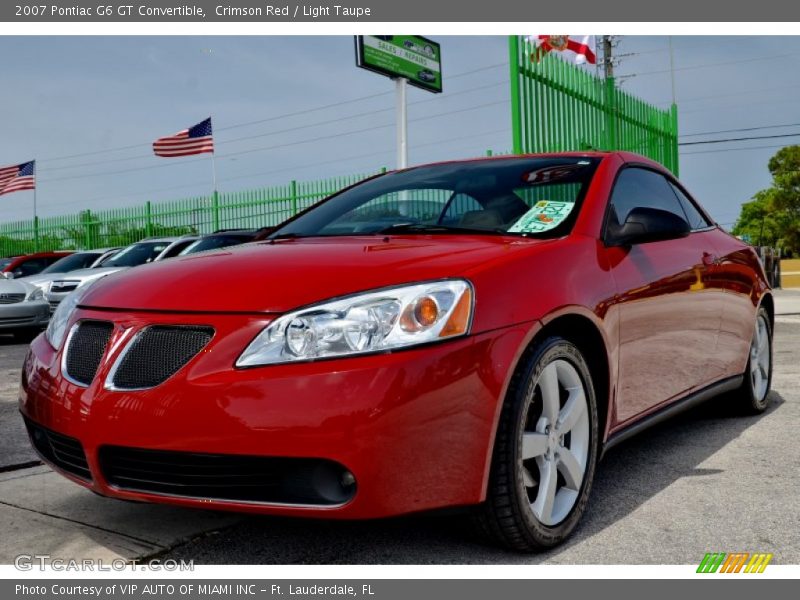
point(62, 287)
point(87, 344)
point(231, 477)
point(11, 298)
point(53, 306)
point(157, 353)
point(64, 452)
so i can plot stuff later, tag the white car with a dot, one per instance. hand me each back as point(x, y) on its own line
point(84, 259)
point(23, 309)
point(140, 253)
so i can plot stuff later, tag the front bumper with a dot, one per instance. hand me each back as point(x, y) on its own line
point(24, 315)
point(414, 428)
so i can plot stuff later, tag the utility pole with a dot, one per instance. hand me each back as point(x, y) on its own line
point(608, 59)
point(610, 142)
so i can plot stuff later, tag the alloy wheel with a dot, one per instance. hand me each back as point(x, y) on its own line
point(555, 442)
point(760, 357)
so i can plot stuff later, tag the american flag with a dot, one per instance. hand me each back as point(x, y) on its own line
point(17, 178)
point(195, 140)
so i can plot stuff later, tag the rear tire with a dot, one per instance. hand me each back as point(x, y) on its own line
point(753, 395)
point(545, 451)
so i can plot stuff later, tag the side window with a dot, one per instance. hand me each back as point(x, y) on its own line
point(640, 188)
point(30, 267)
point(176, 249)
point(694, 216)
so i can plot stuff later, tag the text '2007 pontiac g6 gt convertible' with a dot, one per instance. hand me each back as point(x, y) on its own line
point(471, 333)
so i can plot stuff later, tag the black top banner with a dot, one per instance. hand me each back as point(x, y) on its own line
point(400, 11)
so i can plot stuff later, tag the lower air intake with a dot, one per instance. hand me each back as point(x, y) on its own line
point(64, 452)
point(266, 479)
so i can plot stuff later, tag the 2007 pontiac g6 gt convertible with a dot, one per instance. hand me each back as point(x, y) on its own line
point(471, 333)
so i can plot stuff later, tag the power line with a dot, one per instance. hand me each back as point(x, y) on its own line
point(720, 150)
point(741, 139)
point(287, 130)
point(282, 116)
point(278, 146)
point(739, 129)
point(708, 65)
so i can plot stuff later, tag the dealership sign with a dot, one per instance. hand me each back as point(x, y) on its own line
point(412, 57)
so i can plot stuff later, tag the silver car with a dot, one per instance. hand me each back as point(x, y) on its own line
point(23, 309)
point(84, 259)
point(143, 252)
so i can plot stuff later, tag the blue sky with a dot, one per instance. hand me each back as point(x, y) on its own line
point(66, 96)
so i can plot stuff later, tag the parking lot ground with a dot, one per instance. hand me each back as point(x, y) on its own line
point(708, 480)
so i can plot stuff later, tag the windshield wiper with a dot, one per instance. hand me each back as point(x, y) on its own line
point(433, 228)
point(284, 236)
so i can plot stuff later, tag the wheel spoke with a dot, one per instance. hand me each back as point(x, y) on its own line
point(533, 444)
point(570, 468)
point(527, 479)
point(572, 411)
point(757, 378)
point(548, 384)
point(763, 364)
point(543, 505)
point(762, 342)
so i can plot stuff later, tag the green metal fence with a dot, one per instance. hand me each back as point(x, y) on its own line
point(557, 106)
point(202, 214)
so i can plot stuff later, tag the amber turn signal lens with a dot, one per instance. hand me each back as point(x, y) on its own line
point(459, 319)
point(426, 311)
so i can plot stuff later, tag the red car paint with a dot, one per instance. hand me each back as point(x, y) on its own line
point(44, 258)
point(415, 427)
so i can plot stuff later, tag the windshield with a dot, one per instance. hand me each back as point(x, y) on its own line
point(519, 196)
point(213, 242)
point(137, 254)
point(79, 260)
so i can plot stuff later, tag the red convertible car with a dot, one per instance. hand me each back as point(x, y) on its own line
point(472, 333)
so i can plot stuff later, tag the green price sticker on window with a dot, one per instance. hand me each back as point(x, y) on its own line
point(543, 216)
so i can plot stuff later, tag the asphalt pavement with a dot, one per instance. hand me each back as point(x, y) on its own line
point(709, 480)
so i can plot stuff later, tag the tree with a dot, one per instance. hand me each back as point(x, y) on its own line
point(772, 217)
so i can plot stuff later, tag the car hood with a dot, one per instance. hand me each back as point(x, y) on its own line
point(86, 274)
point(40, 279)
point(12, 286)
point(283, 275)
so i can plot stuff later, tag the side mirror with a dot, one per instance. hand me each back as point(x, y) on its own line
point(650, 225)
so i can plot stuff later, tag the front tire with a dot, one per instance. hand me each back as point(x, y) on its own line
point(545, 451)
point(753, 395)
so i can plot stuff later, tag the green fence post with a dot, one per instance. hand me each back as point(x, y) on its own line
point(673, 111)
point(516, 120)
point(215, 210)
point(294, 197)
point(86, 221)
point(611, 114)
point(36, 233)
point(148, 223)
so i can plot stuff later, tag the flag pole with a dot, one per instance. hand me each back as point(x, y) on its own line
point(215, 193)
point(35, 214)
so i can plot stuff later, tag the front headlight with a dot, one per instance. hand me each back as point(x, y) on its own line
point(35, 295)
point(57, 328)
point(369, 322)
